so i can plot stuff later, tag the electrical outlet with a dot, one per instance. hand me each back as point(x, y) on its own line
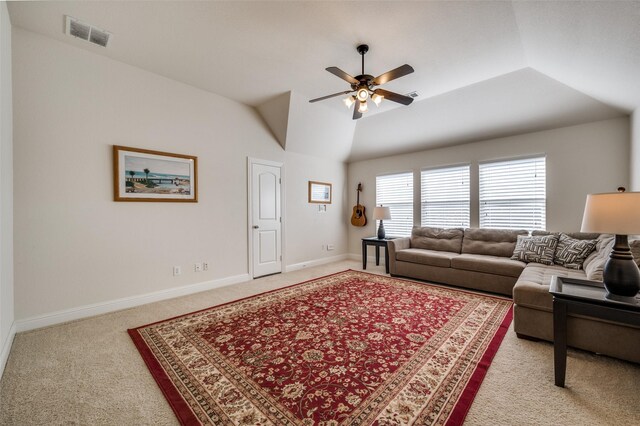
point(205, 266)
point(330, 247)
point(177, 271)
point(197, 267)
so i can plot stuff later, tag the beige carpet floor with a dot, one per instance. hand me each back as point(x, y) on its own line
point(88, 372)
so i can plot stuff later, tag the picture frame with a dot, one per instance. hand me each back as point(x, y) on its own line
point(319, 192)
point(146, 175)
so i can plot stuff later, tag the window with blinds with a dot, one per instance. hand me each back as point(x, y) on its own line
point(513, 194)
point(445, 197)
point(396, 192)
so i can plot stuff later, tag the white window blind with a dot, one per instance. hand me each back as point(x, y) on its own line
point(396, 192)
point(445, 197)
point(513, 194)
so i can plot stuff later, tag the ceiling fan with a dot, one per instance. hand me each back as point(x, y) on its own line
point(364, 86)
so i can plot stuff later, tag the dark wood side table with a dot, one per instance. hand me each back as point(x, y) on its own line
point(583, 297)
point(374, 241)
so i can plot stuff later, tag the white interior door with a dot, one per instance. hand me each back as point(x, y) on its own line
point(266, 225)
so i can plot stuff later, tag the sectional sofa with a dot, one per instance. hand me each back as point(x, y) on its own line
point(481, 259)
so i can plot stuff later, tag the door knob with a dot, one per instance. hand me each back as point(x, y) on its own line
point(255, 227)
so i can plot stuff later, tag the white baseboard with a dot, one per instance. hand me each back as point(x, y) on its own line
point(6, 347)
point(316, 262)
point(94, 309)
point(354, 256)
point(124, 303)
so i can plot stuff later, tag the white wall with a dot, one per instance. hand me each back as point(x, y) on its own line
point(74, 245)
point(306, 225)
point(6, 190)
point(581, 159)
point(635, 151)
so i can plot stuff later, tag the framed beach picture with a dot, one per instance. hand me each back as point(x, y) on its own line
point(145, 175)
point(319, 192)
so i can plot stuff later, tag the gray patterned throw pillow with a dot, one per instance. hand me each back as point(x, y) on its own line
point(538, 249)
point(571, 252)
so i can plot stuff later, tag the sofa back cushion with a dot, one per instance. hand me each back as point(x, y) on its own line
point(575, 235)
point(494, 242)
point(442, 239)
point(593, 265)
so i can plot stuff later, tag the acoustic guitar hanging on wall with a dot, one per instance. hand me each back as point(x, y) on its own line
point(358, 218)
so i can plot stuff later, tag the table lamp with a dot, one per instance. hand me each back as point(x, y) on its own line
point(616, 213)
point(381, 213)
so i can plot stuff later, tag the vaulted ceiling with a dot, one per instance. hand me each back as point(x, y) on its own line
point(482, 69)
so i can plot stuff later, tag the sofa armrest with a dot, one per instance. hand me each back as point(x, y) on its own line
point(394, 246)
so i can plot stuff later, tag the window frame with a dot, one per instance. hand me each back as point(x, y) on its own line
point(390, 229)
point(537, 205)
point(423, 202)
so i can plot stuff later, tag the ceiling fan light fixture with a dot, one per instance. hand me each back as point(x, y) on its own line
point(362, 94)
point(349, 101)
point(363, 107)
point(377, 99)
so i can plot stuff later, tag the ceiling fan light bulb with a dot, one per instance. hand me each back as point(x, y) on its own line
point(349, 101)
point(377, 99)
point(362, 94)
point(363, 107)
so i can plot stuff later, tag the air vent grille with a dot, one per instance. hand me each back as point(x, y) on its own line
point(413, 94)
point(87, 32)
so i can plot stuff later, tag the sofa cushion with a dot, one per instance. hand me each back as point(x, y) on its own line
point(593, 265)
point(532, 288)
point(635, 250)
point(493, 242)
point(426, 257)
point(496, 265)
point(601, 242)
point(442, 239)
point(572, 252)
point(576, 235)
point(538, 249)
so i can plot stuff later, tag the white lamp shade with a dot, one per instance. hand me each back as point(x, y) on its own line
point(612, 213)
point(381, 213)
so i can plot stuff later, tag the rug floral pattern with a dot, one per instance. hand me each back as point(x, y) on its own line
point(351, 348)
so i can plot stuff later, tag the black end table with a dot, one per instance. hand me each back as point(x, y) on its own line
point(375, 241)
point(583, 297)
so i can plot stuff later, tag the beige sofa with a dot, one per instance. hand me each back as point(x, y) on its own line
point(480, 259)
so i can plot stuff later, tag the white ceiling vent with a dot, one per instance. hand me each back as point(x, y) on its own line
point(87, 32)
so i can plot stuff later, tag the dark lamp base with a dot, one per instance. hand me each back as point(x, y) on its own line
point(381, 231)
point(621, 274)
point(626, 299)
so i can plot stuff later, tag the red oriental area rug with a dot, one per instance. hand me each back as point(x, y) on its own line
point(347, 349)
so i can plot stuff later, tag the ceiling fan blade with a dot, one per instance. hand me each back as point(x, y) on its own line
point(393, 74)
point(401, 99)
point(356, 114)
point(330, 96)
point(343, 75)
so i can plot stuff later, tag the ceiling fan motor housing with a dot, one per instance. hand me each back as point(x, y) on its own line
point(365, 81)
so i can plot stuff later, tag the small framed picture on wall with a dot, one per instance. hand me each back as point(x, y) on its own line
point(319, 192)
